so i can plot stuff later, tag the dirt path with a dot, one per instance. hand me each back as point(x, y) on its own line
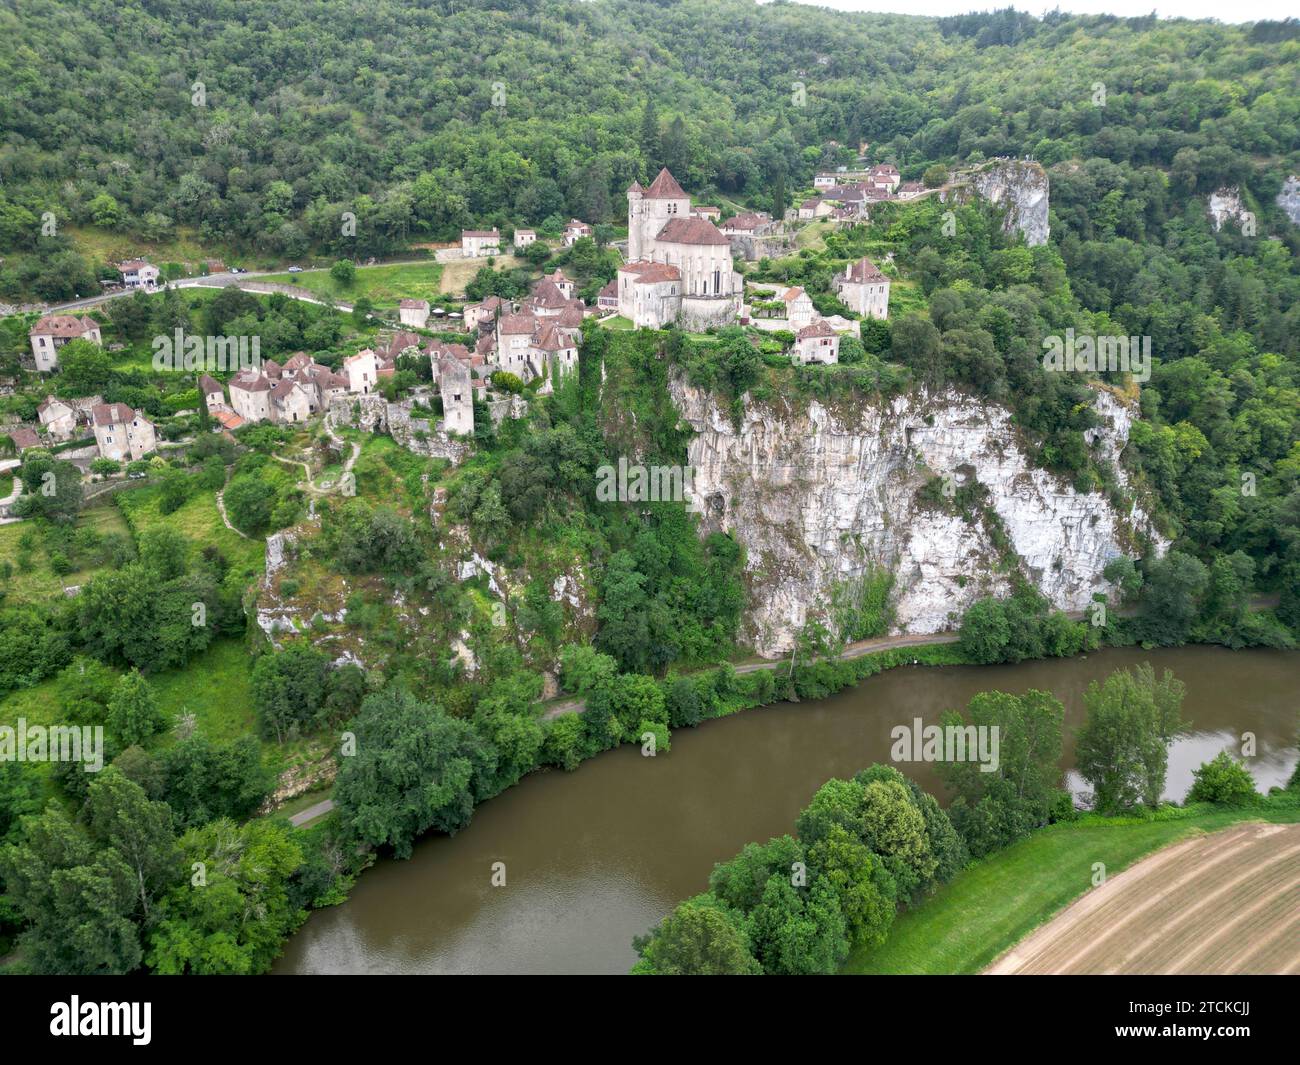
point(328, 488)
point(1218, 903)
point(221, 509)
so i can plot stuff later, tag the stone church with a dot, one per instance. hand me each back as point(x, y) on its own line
point(679, 265)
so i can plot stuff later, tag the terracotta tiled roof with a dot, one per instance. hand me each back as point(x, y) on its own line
point(691, 231)
point(553, 339)
point(547, 294)
point(651, 273)
point(864, 270)
point(517, 323)
point(63, 325)
point(48, 402)
point(479, 233)
point(571, 316)
point(746, 220)
point(283, 389)
point(250, 382)
point(819, 328)
point(208, 384)
point(24, 438)
point(414, 305)
point(110, 414)
point(664, 187)
point(792, 294)
point(228, 419)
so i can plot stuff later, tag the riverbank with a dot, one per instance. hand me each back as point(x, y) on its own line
point(995, 903)
point(597, 857)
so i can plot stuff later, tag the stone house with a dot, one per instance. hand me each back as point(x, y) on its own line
point(710, 214)
point(747, 224)
point(52, 331)
point(546, 300)
point(850, 198)
point(413, 313)
point(559, 350)
point(121, 433)
point(24, 438)
point(864, 289)
point(478, 242)
point(886, 175)
point(362, 371)
point(476, 314)
point(575, 231)
point(815, 208)
point(291, 401)
point(816, 343)
point(59, 419)
point(250, 395)
point(214, 395)
point(515, 342)
point(910, 190)
point(560, 280)
point(824, 180)
point(524, 237)
point(607, 297)
point(799, 310)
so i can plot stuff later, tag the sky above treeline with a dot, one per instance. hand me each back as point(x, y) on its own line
point(1238, 11)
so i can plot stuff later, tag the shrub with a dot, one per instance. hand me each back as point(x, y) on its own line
point(1223, 781)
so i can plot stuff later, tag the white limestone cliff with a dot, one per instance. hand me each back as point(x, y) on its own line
point(818, 496)
point(1289, 199)
point(1023, 187)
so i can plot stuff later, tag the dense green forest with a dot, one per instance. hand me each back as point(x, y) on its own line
point(257, 125)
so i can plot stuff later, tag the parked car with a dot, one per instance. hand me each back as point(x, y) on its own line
point(295, 269)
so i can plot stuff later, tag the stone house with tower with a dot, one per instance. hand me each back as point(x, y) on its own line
point(662, 232)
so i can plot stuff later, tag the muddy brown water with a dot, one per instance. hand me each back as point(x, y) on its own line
point(595, 857)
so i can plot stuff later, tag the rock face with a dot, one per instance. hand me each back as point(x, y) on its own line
point(1023, 187)
point(1226, 204)
point(1289, 199)
point(819, 496)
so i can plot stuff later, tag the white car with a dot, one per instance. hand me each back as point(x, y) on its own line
point(295, 269)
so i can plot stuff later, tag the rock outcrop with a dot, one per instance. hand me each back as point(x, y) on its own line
point(819, 496)
point(1020, 185)
point(1289, 199)
point(1225, 204)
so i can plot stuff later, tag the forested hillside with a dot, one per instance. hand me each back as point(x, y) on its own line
point(257, 124)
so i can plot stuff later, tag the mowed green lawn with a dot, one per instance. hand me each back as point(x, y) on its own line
point(384, 285)
point(995, 903)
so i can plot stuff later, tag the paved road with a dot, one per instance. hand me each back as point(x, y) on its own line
point(311, 813)
point(220, 281)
